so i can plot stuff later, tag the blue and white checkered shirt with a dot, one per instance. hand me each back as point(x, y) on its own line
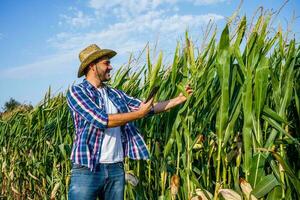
point(90, 119)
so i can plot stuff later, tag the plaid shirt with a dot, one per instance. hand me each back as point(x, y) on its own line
point(90, 120)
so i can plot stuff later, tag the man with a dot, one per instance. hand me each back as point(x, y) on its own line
point(104, 132)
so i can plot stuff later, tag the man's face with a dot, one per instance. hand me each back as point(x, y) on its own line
point(103, 68)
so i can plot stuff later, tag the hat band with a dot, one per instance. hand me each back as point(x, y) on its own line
point(91, 53)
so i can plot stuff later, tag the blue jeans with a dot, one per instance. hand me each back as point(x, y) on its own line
point(107, 182)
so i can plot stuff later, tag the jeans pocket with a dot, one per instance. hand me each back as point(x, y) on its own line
point(77, 166)
point(120, 165)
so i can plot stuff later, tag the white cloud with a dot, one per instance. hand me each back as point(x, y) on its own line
point(208, 2)
point(77, 19)
point(128, 9)
point(124, 37)
point(128, 35)
point(137, 30)
point(132, 8)
point(131, 36)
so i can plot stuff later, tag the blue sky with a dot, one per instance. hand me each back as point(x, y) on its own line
point(40, 40)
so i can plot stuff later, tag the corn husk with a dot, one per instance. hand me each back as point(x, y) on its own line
point(247, 189)
point(229, 194)
point(175, 183)
point(54, 191)
point(131, 178)
point(201, 194)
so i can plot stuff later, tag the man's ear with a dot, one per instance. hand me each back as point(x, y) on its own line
point(92, 66)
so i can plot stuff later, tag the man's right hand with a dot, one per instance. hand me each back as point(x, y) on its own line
point(121, 119)
point(145, 108)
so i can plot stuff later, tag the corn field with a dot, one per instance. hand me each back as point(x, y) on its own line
point(236, 137)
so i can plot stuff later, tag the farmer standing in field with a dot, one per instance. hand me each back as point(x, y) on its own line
point(104, 134)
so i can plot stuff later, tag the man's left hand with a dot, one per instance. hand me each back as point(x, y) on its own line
point(189, 90)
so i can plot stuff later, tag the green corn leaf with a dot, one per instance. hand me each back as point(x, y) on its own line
point(210, 47)
point(241, 32)
point(276, 193)
point(241, 66)
point(247, 126)
point(149, 65)
point(223, 69)
point(297, 102)
point(285, 166)
point(269, 113)
point(231, 124)
point(265, 185)
point(181, 88)
point(168, 147)
point(62, 150)
point(275, 169)
point(257, 170)
point(155, 70)
point(294, 179)
point(175, 66)
point(280, 129)
point(260, 86)
point(178, 141)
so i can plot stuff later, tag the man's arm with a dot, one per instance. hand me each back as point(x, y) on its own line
point(122, 118)
point(144, 108)
point(134, 103)
point(166, 105)
point(82, 104)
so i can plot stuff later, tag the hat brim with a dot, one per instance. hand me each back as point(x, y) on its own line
point(96, 55)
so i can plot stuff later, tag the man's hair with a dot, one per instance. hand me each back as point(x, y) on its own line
point(87, 69)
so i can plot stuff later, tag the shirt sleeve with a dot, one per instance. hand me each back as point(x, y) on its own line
point(134, 103)
point(82, 104)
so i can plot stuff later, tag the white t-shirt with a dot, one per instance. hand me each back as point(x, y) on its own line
point(111, 149)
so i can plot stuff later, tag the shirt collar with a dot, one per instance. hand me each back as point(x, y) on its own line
point(89, 86)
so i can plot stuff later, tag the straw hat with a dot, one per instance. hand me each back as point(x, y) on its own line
point(91, 53)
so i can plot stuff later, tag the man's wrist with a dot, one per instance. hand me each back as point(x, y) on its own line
point(181, 99)
point(140, 114)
